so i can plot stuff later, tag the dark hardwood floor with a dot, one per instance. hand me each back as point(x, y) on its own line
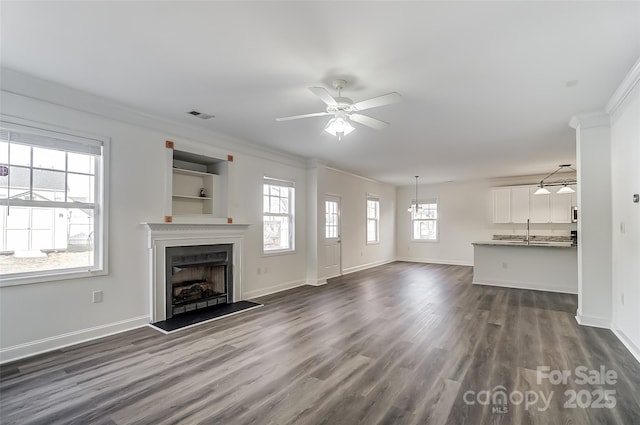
point(402, 343)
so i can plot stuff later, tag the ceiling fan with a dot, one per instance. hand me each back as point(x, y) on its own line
point(344, 110)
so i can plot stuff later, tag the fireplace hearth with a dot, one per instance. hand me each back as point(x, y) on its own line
point(198, 277)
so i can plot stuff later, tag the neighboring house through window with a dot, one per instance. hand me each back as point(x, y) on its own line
point(51, 204)
point(424, 220)
point(278, 215)
point(373, 219)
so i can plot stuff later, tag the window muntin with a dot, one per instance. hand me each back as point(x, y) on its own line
point(331, 220)
point(278, 215)
point(424, 220)
point(51, 205)
point(373, 220)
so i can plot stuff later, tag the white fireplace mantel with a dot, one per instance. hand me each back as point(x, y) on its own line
point(163, 235)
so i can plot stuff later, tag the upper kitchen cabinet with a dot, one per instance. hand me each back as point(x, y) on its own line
point(561, 206)
point(501, 204)
point(517, 204)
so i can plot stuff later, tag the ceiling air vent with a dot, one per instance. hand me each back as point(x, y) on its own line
point(200, 115)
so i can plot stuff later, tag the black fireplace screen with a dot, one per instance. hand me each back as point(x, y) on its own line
point(198, 277)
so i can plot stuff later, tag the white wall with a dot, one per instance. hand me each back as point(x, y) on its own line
point(465, 212)
point(353, 190)
point(625, 158)
point(43, 316)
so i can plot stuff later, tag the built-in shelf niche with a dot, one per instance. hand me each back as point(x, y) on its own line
point(192, 173)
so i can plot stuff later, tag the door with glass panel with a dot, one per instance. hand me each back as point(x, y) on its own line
point(332, 247)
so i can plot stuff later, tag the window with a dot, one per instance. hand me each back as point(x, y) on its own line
point(331, 219)
point(424, 221)
point(51, 205)
point(373, 219)
point(278, 215)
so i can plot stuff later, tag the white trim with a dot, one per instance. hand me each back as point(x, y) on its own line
point(596, 322)
point(590, 120)
point(624, 89)
point(633, 349)
point(57, 342)
point(317, 282)
point(248, 295)
point(435, 261)
point(524, 285)
point(26, 86)
point(155, 328)
point(163, 235)
point(367, 266)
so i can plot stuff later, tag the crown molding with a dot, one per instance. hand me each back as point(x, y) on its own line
point(629, 82)
point(589, 120)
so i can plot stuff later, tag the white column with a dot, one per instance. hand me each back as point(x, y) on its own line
point(593, 156)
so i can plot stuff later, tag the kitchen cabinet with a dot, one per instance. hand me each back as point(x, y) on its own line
point(519, 204)
point(561, 206)
point(501, 204)
point(540, 206)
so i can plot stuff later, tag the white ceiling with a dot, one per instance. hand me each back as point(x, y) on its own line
point(483, 84)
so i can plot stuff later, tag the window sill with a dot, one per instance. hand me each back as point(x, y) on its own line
point(277, 253)
point(425, 240)
point(51, 276)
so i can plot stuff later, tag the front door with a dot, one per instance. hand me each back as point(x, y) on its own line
point(332, 251)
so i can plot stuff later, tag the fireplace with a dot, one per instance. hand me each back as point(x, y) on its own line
point(198, 277)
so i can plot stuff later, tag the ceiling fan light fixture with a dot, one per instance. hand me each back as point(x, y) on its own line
point(338, 126)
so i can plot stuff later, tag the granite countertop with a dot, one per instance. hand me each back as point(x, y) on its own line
point(537, 243)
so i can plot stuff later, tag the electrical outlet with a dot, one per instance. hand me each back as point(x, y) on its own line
point(622, 298)
point(623, 228)
point(98, 296)
point(505, 265)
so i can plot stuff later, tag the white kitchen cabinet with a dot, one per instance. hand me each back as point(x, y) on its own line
point(560, 207)
point(519, 204)
point(501, 204)
point(539, 211)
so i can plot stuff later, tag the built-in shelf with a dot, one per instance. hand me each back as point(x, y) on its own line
point(191, 174)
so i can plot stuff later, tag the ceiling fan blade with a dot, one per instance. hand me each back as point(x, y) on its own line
point(385, 99)
point(296, 117)
point(368, 121)
point(324, 95)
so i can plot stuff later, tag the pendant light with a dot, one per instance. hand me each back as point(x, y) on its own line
point(542, 190)
point(565, 189)
point(412, 204)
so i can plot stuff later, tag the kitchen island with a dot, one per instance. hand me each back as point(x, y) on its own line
point(543, 266)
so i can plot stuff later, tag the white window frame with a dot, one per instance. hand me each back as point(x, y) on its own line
point(412, 219)
point(373, 198)
point(290, 215)
point(100, 204)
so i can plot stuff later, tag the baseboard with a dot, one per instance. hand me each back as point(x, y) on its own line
point(247, 295)
point(435, 261)
point(317, 282)
point(633, 348)
point(524, 285)
point(40, 346)
point(593, 321)
point(366, 266)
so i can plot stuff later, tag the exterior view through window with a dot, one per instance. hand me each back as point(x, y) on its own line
point(50, 203)
point(278, 215)
point(424, 221)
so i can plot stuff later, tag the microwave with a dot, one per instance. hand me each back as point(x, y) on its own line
point(574, 214)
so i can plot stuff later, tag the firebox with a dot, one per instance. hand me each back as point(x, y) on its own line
point(198, 277)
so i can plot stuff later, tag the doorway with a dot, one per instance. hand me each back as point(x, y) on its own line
point(332, 241)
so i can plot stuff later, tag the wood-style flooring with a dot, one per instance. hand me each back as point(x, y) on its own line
point(402, 343)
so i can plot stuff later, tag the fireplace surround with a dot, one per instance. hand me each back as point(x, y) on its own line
point(161, 236)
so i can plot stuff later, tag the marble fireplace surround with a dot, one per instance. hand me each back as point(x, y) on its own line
point(163, 235)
